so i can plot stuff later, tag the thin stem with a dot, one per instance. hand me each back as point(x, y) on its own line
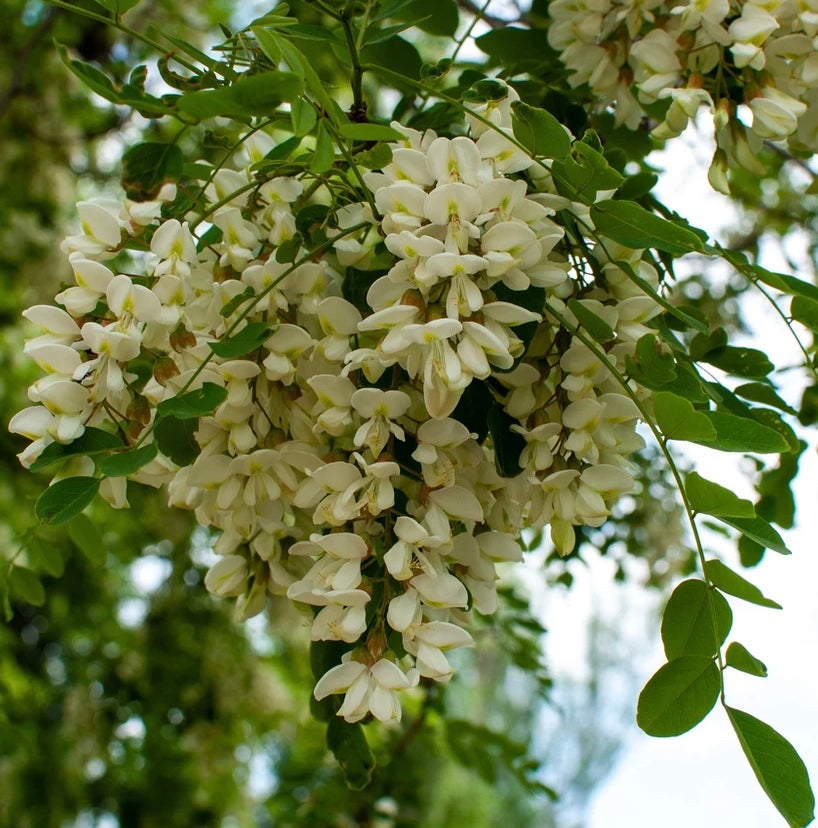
point(358, 111)
point(478, 15)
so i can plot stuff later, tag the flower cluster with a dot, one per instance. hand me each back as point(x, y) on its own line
point(398, 398)
point(699, 52)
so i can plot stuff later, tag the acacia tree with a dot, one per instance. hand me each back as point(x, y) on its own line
point(384, 337)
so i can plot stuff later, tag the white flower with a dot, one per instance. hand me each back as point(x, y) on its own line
point(227, 578)
point(380, 409)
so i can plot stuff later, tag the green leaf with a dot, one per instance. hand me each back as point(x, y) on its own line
point(597, 327)
point(762, 393)
point(713, 499)
point(369, 132)
point(194, 404)
point(309, 31)
point(805, 311)
point(237, 301)
point(324, 155)
point(760, 531)
point(45, 556)
point(302, 114)
point(687, 622)
point(733, 584)
point(651, 366)
point(750, 552)
point(127, 462)
point(176, 439)
point(397, 55)
point(87, 538)
point(511, 46)
point(741, 362)
point(539, 131)
point(437, 17)
point(26, 586)
point(742, 434)
point(149, 165)
point(678, 696)
point(251, 336)
point(91, 441)
point(739, 658)
point(778, 767)
point(348, 743)
point(583, 173)
point(632, 225)
point(65, 499)
point(246, 97)
point(678, 420)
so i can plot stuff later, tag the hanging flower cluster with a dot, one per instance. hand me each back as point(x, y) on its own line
point(694, 53)
point(372, 452)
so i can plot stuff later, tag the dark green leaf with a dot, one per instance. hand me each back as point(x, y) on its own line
point(251, 336)
point(26, 586)
point(777, 502)
point(176, 439)
point(778, 767)
point(688, 621)
point(805, 311)
point(713, 499)
point(763, 393)
point(194, 404)
point(760, 531)
point(324, 155)
point(91, 441)
point(678, 420)
point(741, 362)
point(65, 499)
point(473, 408)
point(678, 696)
point(369, 132)
point(597, 327)
point(237, 301)
point(149, 165)
point(511, 46)
point(246, 97)
point(127, 462)
point(583, 173)
point(348, 743)
point(632, 225)
point(437, 17)
point(397, 55)
point(637, 186)
point(539, 131)
point(87, 538)
point(356, 284)
point(733, 584)
point(45, 556)
point(742, 434)
point(750, 552)
point(739, 658)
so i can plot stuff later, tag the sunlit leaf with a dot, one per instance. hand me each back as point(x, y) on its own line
point(734, 584)
point(691, 618)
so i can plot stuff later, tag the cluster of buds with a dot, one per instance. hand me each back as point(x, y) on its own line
point(375, 452)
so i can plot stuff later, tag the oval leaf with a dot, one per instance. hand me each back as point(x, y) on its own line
point(194, 404)
point(65, 499)
point(26, 586)
point(249, 338)
point(688, 621)
point(599, 329)
point(739, 658)
point(91, 441)
point(678, 420)
point(177, 439)
point(632, 225)
point(713, 499)
point(127, 462)
point(778, 767)
point(678, 696)
point(88, 539)
point(733, 584)
point(742, 434)
point(149, 165)
point(539, 131)
point(760, 531)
